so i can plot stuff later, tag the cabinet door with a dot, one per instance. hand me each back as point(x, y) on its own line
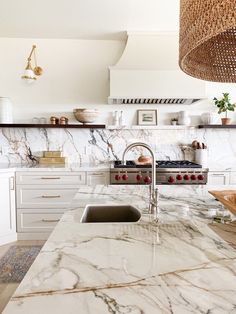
point(7, 208)
point(218, 178)
point(232, 177)
point(98, 178)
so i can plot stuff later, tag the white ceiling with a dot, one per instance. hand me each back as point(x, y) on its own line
point(92, 19)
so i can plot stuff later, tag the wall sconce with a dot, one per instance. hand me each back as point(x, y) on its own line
point(31, 73)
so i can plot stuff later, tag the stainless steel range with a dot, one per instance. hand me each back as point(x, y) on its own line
point(167, 172)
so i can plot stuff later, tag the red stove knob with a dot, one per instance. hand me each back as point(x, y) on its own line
point(117, 177)
point(193, 177)
point(179, 177)
point(147, 179)
point(171, 179)
point(139, 177)
point(186, 177)
point(201, 177)
point(125, 177)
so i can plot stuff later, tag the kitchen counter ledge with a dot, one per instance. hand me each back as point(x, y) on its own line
point(51, 168)
point(180, 266)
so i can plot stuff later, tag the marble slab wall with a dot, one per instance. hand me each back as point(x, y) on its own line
point(98, 146)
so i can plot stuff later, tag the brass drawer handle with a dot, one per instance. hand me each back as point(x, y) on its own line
point(50, 178)
point(51, 196)
point(218, 174)
point(50, 220)
point(97, 174)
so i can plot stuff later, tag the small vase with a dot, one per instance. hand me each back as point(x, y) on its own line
point(184, 119)
point(225, 121)
point(5, 110)
point(210, 118)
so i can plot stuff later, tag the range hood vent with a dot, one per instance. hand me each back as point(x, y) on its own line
point(148, 73)
point(157, 101)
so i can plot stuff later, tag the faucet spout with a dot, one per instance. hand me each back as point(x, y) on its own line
point(153, 202)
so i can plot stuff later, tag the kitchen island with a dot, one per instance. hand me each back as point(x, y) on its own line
point(178, 266)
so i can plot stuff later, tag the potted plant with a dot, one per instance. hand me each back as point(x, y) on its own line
point(224, 105)
point(174, 121)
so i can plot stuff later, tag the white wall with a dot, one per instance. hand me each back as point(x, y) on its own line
point(76, 75)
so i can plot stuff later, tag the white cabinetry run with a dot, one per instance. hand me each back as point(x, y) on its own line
point(7, 208)
point(42, 198)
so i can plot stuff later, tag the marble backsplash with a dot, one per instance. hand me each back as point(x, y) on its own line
point(98, 146)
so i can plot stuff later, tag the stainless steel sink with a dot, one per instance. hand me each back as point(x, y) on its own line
point(110, 213)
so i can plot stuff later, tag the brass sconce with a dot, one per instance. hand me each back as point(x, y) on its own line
point(31, 73)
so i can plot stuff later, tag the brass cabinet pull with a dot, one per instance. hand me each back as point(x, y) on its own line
point(51, 196)
point(50, 220)
point(50, 178)
point(218, 174)
point(97, 174)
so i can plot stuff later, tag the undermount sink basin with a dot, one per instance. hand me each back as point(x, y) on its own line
point(110, 213)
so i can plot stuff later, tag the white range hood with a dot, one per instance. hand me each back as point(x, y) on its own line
point(148, 72)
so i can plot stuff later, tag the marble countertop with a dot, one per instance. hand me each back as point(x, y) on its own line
point(178, 266)
point(45, 167)
point(79, 167)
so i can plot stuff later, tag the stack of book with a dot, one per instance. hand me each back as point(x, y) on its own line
point(52, 157)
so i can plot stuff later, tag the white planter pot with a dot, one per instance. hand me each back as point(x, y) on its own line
point(5, 110)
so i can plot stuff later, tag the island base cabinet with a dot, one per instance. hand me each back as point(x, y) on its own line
point(7, 208)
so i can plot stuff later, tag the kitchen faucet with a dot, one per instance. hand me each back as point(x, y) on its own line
point(153, 191)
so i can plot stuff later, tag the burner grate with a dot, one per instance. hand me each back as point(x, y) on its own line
point(159, 164)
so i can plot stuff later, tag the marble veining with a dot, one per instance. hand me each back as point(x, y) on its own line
point(98, 146)
point(177, 266)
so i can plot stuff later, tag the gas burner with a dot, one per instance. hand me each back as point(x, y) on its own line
point(177, 164)
point(159, 164)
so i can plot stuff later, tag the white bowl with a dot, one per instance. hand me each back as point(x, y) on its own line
point(85, 115)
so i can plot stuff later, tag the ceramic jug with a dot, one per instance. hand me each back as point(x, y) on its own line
point(184, 119)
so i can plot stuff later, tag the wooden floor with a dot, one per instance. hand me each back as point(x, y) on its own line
point(7, 290)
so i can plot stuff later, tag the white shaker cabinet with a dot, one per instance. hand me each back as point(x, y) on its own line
point(232, 177)
point(7, 208)
point(42, 198)
point(98, 178)
point(218, 178)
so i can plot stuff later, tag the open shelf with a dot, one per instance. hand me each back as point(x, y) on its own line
point(217, 126)
point(150, 127)
point(54, 126)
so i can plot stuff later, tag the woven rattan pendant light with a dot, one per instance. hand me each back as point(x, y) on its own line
point(208, 39)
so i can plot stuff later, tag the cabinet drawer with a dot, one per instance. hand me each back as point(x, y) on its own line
point(37, 222)
point(218, 178)
point(45, 178)
point(232, 178)
point(97, 178)
point(40, 197)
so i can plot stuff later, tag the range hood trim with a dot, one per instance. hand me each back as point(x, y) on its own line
point(134, 80)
